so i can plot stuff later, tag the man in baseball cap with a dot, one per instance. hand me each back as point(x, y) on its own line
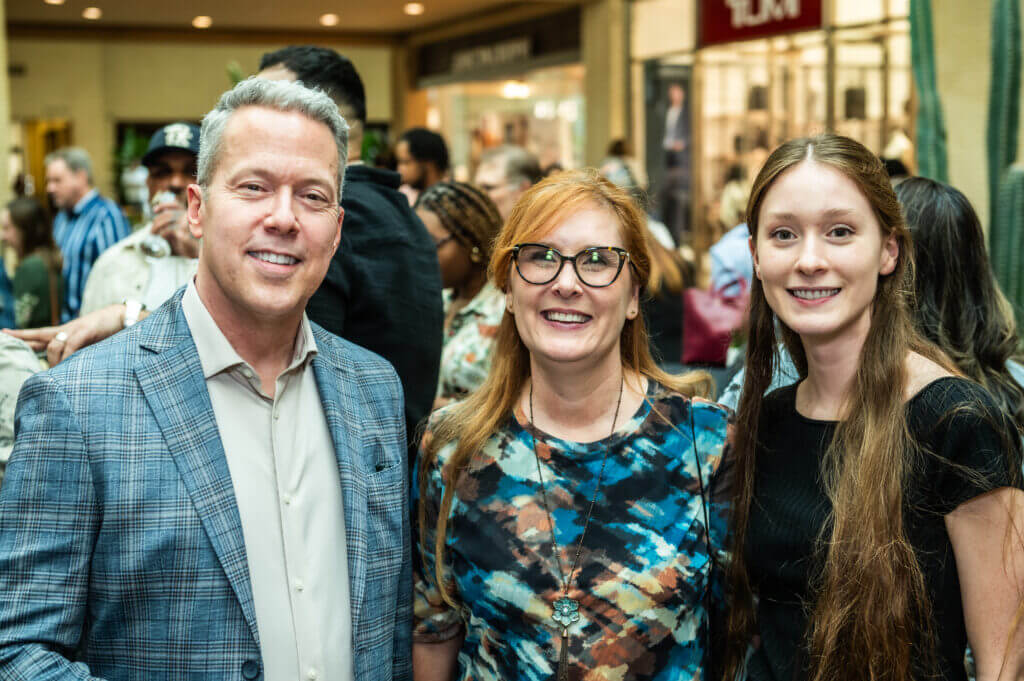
point(147, 267)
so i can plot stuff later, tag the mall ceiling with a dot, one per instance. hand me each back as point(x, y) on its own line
point(368, 17)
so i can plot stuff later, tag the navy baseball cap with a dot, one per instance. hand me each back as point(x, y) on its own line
point(182, 136)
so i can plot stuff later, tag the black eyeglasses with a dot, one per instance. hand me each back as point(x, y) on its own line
point(597, 267)
point(442, 242)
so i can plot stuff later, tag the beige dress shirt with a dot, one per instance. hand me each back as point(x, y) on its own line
point(285, 476)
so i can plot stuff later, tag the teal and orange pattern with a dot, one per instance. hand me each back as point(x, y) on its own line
point(644, 568)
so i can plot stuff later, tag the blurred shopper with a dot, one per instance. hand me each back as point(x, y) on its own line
point(37, 281)
point(878, 503)
point(959, 305)
point(151, 264)
point(422, 157)
point(86, 225)
point(619, 166)
point(569, 516)
point(732, 204)
point(464, 223)
point(505, 173)
point(383, 288)
point(663, 303)
point(675, 191)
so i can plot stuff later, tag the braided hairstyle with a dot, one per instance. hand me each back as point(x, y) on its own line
point(467, 213)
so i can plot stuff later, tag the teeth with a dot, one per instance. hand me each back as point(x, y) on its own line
point(275, 258)
point(815, 294)
point(570, 317)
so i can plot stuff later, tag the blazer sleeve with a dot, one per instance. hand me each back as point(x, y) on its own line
point(49, 518)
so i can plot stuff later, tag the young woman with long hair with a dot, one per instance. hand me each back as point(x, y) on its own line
point(28, 230)
point(877, 512)
point(959, 305)
point(568, 509)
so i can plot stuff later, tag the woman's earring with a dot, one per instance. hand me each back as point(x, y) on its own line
point(474, 255)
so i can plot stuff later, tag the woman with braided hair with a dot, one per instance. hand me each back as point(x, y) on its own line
point(463, 221)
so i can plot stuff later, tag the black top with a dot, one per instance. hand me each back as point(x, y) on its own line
point(790, 507)
point(383, 287)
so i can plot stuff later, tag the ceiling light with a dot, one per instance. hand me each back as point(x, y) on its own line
point(54, 2)
point(202, 21)
point(329, 20)
point(414, 9)
point(515, 89)
point(92, 13)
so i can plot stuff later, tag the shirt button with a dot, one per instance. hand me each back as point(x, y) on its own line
point(287, 499)
point(250, 669)
point(311, 674)
point(299, 585)
point(277, 414)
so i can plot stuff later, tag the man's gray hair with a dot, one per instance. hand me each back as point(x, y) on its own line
point(280, 95)
point(76, 158)
point(519, 163)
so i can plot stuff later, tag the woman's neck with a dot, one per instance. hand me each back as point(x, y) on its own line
point(831, 373)
point(579, 404)
point(467, 290)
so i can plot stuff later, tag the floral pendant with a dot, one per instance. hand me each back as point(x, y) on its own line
point(567, 611)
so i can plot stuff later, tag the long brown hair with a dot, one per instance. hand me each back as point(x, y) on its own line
point(959, 304)
point(870, 605)
point(473, 421)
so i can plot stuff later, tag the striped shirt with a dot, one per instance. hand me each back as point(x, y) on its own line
point(88, 229)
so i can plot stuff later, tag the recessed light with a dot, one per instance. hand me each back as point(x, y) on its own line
point(414, 9)
point(92, 13)
point(54, 2)
point(202, 21)
point(329, 20)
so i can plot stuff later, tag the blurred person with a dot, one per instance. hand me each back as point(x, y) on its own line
point(505, 173)
point(619, 166)
point(27, 230)
point(663, 303)
point(675, 193)
point(878, 502)
point(17, 364)
point(464, 222)
point(577, 476)
point(960, 307)
point(383, 288)
point(422, 158)
point(157, 259)
point(219, 492)
point(732, 204)
point(86, 223)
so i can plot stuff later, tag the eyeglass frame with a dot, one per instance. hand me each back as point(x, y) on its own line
point(623, 258)
point(442, 242)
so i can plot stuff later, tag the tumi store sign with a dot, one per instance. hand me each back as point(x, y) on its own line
point(726, 21)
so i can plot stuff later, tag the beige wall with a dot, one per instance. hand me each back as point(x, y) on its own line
point(5, 108)
point(97, 83)
point(606, 75)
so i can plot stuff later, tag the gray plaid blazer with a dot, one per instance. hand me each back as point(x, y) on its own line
point(121, 549)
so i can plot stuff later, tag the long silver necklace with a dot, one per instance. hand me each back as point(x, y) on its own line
point(567, 610)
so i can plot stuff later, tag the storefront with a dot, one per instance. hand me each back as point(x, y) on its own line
point(753, 73)
point(518, 84)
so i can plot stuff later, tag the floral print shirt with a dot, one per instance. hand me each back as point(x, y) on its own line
point(643, 579)
point(468, 342)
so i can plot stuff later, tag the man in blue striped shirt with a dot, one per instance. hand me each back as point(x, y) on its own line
point(86, 224)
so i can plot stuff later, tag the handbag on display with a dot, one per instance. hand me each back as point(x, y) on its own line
point(710, 317)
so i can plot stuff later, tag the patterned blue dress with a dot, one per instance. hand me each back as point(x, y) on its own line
point(643, 580)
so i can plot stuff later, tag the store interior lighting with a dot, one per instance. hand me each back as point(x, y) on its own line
point(92, 13)
point(515, 89)
point(202, 21)
point(54, 2)
point(330, 19)
point(413, 9)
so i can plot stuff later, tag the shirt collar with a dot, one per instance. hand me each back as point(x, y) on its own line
point(486, 299)
point(82, 202)
point(215, 351)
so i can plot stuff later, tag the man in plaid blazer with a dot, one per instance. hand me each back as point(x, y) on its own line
point(219, 492)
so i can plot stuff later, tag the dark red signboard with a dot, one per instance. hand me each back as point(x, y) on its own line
point(726, 21)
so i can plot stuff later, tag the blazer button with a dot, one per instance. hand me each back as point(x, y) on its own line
point(250, 669)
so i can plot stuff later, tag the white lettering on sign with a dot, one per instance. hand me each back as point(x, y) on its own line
point(744, 12)
point(507, 52)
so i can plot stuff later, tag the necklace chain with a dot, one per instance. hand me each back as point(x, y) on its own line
point(566, 583)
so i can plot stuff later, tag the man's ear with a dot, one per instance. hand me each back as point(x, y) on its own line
point(337, 236)
point(194, 194)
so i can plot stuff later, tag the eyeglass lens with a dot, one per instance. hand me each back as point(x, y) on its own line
point(539, 264)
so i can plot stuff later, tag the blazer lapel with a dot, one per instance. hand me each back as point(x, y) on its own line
point(335, 386)
point(173, 384)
